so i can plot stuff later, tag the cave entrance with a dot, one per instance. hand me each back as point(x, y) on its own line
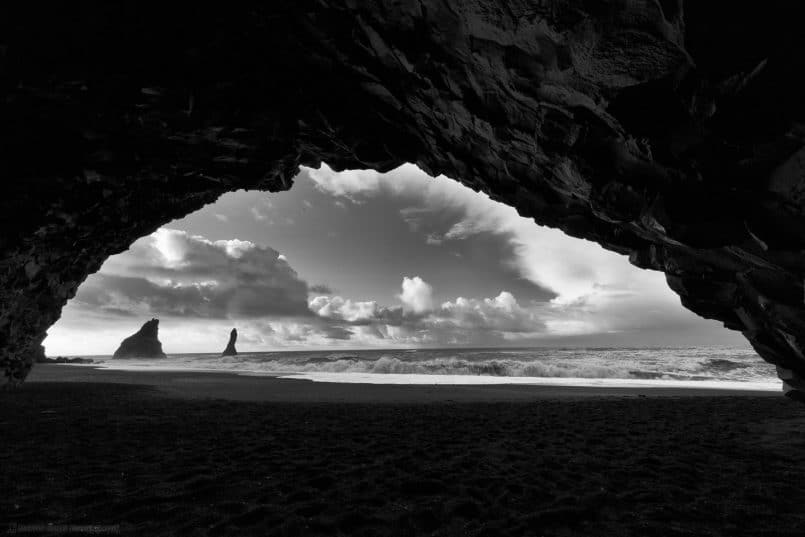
point(361, 260)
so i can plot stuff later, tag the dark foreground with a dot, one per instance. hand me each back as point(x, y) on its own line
point(130, 459)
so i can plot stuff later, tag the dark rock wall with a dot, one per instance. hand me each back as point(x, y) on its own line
point(667, 132)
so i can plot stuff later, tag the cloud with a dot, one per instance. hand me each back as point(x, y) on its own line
point(355, 312)
point(349, 184)
point(260, 212)
point(501, 314)
point(171, 273)
point(311, 334)
point(414, 216)
point(434, 239)
point(341, 309)
point(257, 214)
point(417, 295)
point(320, 289)
point(420, 321)
point(596, 290)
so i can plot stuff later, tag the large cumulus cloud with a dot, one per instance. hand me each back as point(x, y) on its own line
point(416, 295)
point(175, 274)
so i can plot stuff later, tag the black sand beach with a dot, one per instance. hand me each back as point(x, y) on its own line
point(179, 454)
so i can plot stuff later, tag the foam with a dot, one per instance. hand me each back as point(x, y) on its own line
point(395, 378)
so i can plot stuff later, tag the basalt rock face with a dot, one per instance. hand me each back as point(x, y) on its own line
point(671, 133)
point(230, 347)
point(144, 344)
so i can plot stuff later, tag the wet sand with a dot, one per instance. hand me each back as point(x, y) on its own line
point(230, 386)
point(217, 454)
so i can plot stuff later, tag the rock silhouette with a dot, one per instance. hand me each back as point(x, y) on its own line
point(230, 347)
point(65, 360)
point(144, 344)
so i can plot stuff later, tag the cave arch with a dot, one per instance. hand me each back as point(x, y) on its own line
point(656, 129)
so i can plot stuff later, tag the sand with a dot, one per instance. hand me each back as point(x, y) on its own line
point(216, 454)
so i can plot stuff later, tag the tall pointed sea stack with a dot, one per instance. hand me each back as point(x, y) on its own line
point(230, 348)
point(144, 344)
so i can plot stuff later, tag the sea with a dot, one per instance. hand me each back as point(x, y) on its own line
point(705, 367)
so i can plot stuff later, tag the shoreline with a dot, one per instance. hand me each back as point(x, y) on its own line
point(248, 387)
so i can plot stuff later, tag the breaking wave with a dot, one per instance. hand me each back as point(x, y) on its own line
point(692, 364)
point(453, 366)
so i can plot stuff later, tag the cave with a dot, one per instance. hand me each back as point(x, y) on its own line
point(667, 132)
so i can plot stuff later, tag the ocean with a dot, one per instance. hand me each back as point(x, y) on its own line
point(711, 367)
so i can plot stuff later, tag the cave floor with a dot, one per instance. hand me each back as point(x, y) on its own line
point(131, 460)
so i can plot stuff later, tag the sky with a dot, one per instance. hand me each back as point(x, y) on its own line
point(360, 259)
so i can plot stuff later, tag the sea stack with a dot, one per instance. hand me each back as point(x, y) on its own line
point(144, 344)
point(230, 348)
